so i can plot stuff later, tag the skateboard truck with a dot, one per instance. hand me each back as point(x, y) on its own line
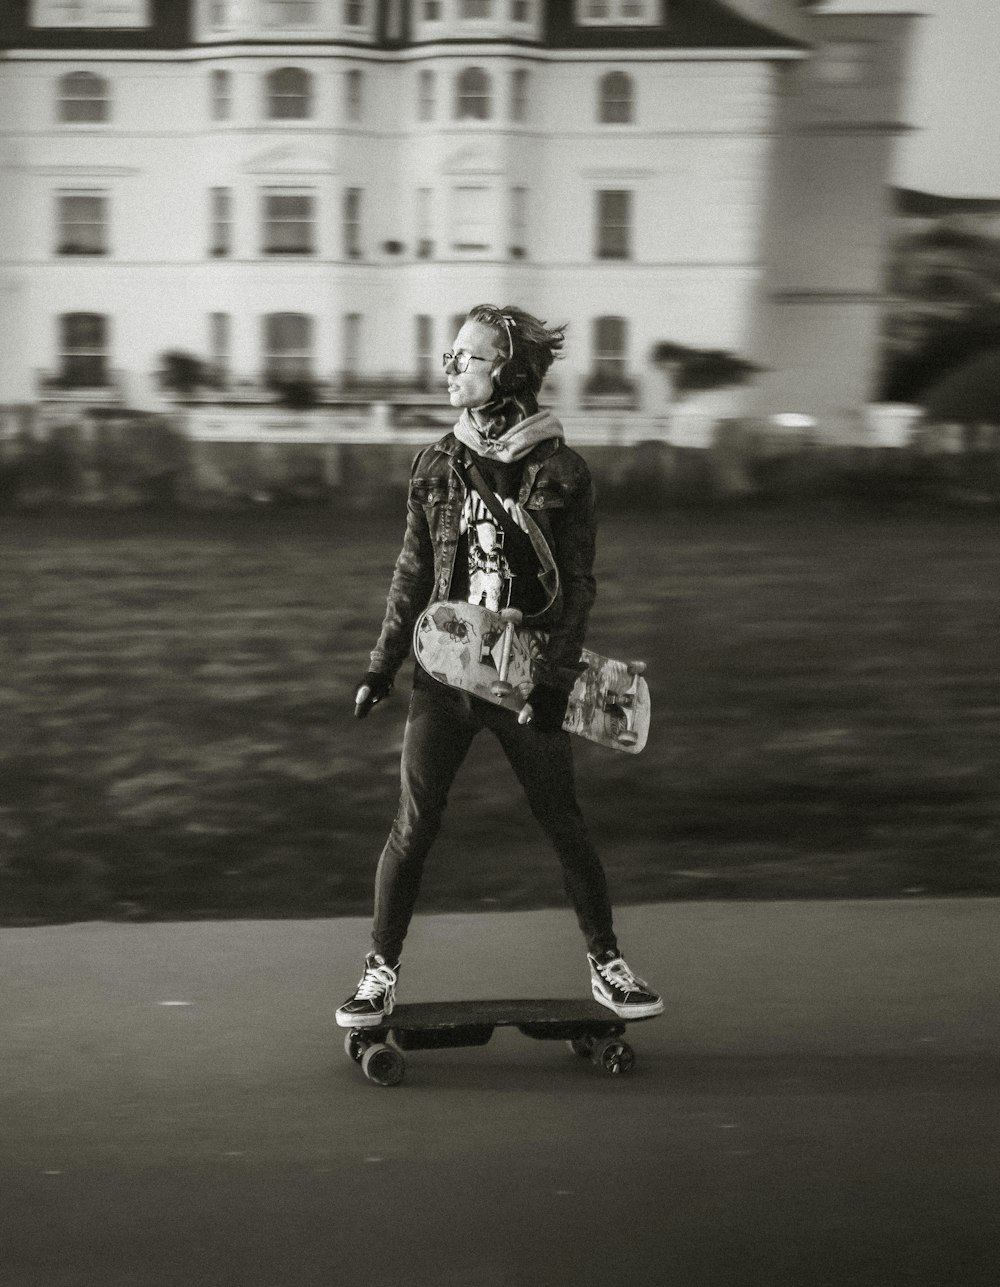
point(512, 618)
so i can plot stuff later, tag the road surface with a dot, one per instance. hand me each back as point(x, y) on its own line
point(818, 1107)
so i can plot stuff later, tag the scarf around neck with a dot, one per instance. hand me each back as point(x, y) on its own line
point(512, 445)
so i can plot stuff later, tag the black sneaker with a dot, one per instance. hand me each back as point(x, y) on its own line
point(375, 997)
point(614, 985)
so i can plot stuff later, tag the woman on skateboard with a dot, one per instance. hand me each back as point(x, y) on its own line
point(455, 548)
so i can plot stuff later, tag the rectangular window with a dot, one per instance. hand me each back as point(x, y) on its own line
point(614, 224)
point(222, 100)
point(124, 14)
point(519, 95)
point(352, 347)
point(425, 96)
point(432, 10)
point(610, 362)
point(354, 13)
point(219, 345)
point(221, 233)
point(83, 223)
point(519, 10)
point(425, 350)
point(83, 358)
point(289, 222)
point(518, 223)
point(288, 345)
point(83, 98)
point(470, 228)
point(220, 14)
point(614, 12)
point(290, 13)
point(425, 223)
point(352, 223)
point(354, 92)
point(476, 8)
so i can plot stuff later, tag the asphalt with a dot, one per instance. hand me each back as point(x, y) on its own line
point(817, 1107)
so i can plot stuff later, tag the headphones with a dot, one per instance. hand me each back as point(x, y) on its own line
point(507, 380)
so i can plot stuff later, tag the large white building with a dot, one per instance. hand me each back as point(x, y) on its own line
point(318, 188)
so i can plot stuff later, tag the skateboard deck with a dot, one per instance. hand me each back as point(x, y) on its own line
point(592, 1031)
point(491, 656)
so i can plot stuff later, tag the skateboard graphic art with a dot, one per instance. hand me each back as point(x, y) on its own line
point(590, 1030)
point(492, 656)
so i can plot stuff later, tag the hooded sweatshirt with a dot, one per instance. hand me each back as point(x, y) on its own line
point(482, 574)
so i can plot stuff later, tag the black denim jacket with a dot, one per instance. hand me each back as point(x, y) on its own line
point(556, 488)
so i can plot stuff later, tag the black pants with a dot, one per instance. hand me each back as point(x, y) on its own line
point(440, 727)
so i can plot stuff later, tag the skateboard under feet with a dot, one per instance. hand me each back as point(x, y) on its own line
point(591, 1031)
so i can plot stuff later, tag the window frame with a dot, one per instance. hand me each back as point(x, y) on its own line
point(274, 95)
point(221, 94)
point(351, 227)
point(270, 246)
point(520, 81)
point(464, 97)
point(354, 95)
point(64, 246)
point(96, 351)
point(607, 102)
point(220, 222)
point(609, 362)
point(604, 240)
point(460, 219)
point(615, 17)
point(426, 94)
point(103, 99)
point(300, 358)
point(276, 23)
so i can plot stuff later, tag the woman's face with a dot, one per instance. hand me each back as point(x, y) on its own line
point(473, 386)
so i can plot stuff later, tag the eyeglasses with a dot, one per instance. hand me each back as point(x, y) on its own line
point(461, 361)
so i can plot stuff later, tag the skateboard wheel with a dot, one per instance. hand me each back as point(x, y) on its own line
point(636, 667)
point(355, 1045)
point(628, 738)
point(384, 1065)
point(582, 1046)
point(614, 1056)
point(501, 689)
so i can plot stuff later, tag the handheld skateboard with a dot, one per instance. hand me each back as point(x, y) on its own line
point(492, 656)
point(591, 1031)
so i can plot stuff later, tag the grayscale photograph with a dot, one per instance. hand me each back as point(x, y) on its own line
point(499, 600)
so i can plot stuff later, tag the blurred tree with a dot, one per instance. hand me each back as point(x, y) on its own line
point(944, 286)
point(700, 370)
point(181, 372)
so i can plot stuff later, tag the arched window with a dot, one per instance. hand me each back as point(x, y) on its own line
point(83, 341)
point(473, 100)
point(289, 94)
point(288, 345)
point(84, 97)
point(426, 94)
point(615, 105)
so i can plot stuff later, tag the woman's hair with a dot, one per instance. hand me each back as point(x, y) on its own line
point(528, 348)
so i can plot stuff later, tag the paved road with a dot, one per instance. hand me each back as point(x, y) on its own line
point(819, 1107)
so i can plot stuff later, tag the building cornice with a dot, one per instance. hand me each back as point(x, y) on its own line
point(340, 51)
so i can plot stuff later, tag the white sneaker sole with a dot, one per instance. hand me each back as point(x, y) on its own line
point(647, 1011)
point(362, 1020)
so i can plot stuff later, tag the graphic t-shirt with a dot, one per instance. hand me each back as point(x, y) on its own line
point(483, 569)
